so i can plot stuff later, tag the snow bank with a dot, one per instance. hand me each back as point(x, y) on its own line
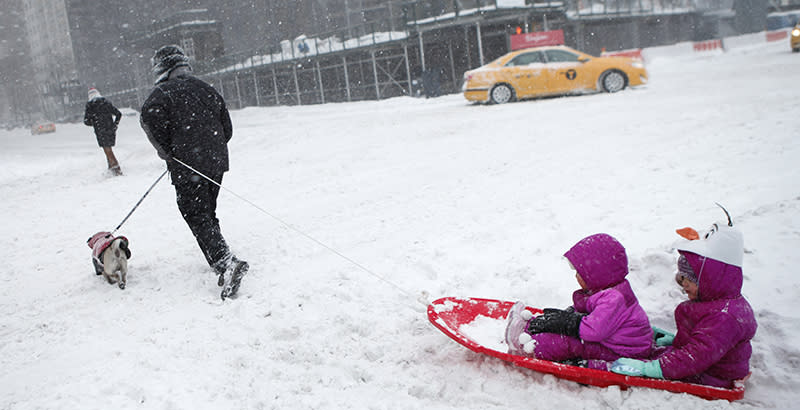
point(428, 195)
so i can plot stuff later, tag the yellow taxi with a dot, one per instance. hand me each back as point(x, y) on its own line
point(794, 38)
point(550, 70)
point(42, 127)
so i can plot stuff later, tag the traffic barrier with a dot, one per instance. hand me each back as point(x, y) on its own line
point(708, 45)
point(777, 35)
point(634, 53)
point(687, 49)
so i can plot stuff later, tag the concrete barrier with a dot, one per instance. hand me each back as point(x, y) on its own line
point(652, 54)
point(688, 49)
point(744, 41)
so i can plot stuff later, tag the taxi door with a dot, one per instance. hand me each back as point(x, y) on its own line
point(526, 74)
point(566, 72)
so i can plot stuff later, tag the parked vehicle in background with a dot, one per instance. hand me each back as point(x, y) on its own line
point(794, 38)
point(781, 20)
point(43, 127)
point(550, 70)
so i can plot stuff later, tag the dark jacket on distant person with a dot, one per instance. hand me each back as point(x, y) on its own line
point(99, 113)
point(185, 118)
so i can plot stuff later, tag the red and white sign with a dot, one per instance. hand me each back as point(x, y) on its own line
point(537, 39)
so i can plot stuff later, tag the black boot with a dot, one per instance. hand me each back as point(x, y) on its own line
point(232, 278)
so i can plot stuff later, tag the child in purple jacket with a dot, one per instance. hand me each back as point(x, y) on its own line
point(605, 322)
point(715, 326)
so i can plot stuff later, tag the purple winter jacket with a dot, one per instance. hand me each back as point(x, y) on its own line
point(615, 319)
point(712, 344)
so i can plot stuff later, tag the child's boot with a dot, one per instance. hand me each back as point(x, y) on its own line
point(518, 318)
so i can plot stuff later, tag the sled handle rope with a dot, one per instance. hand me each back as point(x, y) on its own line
point(422, 298)
point(137, 204)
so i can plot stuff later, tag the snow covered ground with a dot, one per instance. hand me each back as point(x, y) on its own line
point(434, 196)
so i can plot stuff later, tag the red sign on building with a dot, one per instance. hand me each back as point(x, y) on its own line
point(537, 39)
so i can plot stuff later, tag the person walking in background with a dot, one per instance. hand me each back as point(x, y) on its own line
point(99, 113)
point(188, 123)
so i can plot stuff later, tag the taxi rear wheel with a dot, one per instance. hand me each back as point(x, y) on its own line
point(501, 94)
point(613, 81)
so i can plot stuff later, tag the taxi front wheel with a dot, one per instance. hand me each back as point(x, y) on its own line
point(613, 81)
point(501, 94)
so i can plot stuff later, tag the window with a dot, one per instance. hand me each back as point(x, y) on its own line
point(526, 58)
point(187, 44)
point(560, 56)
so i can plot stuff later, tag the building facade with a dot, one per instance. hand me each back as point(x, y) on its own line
point(51, 56)
point(75, 44)
point(19, 99)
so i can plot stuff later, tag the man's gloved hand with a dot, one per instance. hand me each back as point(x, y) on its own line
point(556, 321)
point(633, 367)
point(662, 337)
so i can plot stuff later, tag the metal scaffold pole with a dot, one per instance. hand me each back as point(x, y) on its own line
point(238, 90)
point(296, 83)
point(346, 78)
point(319, 77)
point(375, 74)
point(255, 85)
point(408, 69)
point(480, 43)
point(421, 52)
point(275, 86)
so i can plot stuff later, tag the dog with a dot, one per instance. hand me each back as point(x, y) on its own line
point(110, 257)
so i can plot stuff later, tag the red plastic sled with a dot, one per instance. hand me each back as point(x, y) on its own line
point(450, 314)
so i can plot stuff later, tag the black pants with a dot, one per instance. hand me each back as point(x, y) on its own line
point(197, 201)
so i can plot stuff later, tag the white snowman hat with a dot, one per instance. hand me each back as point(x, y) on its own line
point(721, 242)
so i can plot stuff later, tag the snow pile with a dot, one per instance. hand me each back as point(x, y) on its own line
point(486, 331)
point(425, 195)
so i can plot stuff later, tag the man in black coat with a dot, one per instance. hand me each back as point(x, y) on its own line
point(99, 113)
point(188, 123)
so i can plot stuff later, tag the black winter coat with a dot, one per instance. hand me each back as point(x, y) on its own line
point(187, 119)
point(98, 115)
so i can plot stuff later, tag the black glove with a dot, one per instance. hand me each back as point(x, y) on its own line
point(558, 321)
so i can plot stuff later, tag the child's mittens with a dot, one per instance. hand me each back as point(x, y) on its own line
point(557, 321)
point(662, 338)
point(639, 368)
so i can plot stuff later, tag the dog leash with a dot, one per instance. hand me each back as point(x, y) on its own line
point(140, 201)
point(423, 297)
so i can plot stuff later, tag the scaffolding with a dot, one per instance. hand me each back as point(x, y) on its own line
point(438, 41)
point(372, 73)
